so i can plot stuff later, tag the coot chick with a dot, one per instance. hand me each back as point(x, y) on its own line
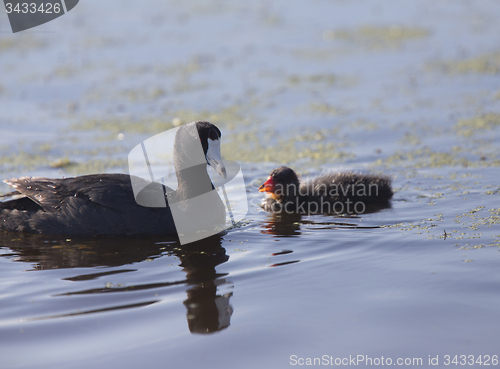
point(105, 204)
point(348, 193)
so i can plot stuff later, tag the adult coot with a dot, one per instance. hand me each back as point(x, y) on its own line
point(104, 204)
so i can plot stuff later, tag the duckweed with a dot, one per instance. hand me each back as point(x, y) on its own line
point(21, 161)
point(427, 158)
point(377, 36)
point(469, 127)
point(61, 163)
point(119, 125)
point(483, 64)
point(22, 42)
point(326, 109)
point(96, 166)
point(226, 118)
point(258, 146)
point(142, 94)
point(328, 79)
point(468, 224)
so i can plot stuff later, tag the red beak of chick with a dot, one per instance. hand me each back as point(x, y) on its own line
point(267, 186)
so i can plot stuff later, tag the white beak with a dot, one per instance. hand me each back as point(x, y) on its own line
point(214, 158)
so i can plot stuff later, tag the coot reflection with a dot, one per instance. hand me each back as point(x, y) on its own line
point(208, 309)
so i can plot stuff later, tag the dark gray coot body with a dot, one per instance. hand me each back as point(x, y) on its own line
point(103, 204)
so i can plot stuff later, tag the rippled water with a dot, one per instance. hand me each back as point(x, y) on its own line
point(410, 89)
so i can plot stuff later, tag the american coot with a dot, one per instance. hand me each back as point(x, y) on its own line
point(104, 204)
point(349, 193)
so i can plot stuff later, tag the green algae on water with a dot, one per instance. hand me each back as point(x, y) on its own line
point(377, 36)
point(21, 42)
point(428, 158)
point(258, 146)
point(94, 166)
point(227, 118)
point(468, 127)
point(483, 64)
point(326, 109)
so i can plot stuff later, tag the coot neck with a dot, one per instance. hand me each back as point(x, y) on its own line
point(193, 181)
point(190, 164)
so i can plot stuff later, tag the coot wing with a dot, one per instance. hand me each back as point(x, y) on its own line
point(110, 190)
point(93, 204)
point(45, 193)
point(52, 194)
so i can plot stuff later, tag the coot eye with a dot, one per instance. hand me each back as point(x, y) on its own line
point(213, 135)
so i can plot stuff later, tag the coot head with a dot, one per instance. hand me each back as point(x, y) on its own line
point(210, 141)
point(282, 182)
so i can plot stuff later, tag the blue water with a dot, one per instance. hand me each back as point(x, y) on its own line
point(385, 84)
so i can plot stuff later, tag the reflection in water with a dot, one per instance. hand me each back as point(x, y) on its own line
point(282, 224)
point(207, 311)
point(285, 225)
point(289, 224)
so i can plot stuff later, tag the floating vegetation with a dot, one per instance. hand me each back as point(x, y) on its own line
point(473, 219)
point(321, 54)
point(184, 85)
point(465, 226)
point(259, 146)
point(144, 94)
point(70, 160)
point(326, 109)
point(96, 166)
point(22, 42)
point(61, 163)
point(377, 36)
point(427, 158)
point(100, 41)
point(361, 124)
point(24, 162)
point(468, 127)
point(120, 125)
point(66, 71)
point(193, 65)
point(328, 79)
point(227, 118)
point(319, 82)
point(410, 139)
point(424, 224)
point(20, 161)
point(484, 64)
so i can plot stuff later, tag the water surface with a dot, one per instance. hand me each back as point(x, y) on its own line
point(410, 89)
